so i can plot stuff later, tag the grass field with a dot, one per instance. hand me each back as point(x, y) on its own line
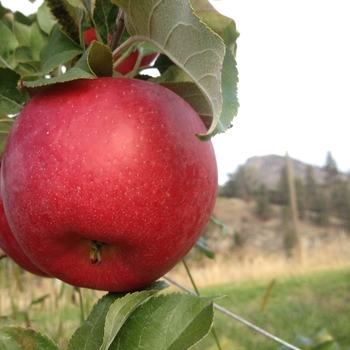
point(301, 303)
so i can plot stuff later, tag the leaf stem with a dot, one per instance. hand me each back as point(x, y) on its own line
point(82, 314)
point(197, 292)
point(118, 30)
point(132, 40)
point(190, 276)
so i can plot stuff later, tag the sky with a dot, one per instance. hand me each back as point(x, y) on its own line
point(293, 60)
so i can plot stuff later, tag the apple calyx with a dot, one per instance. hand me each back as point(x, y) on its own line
point(96, 251)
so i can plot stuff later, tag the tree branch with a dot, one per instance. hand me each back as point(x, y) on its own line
point(118, 30)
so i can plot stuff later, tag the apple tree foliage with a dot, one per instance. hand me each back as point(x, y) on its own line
point(196, 47)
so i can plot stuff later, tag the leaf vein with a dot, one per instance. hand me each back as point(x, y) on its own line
point(151, 16)
point(176, 26)
point(200, 53)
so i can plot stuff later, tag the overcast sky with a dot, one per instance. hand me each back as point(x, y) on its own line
point(294, 69)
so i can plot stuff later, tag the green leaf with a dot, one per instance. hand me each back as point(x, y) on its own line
point(230, 104)
point(190, 92)
point(220, 24)
point(38, 39)
point(21, 18)
point(173, 27)
point(45, 18)
point(5, 127)
point(58, 50)
point(222, 225)
point(119, 312)
point(40, 299)
point(201, 244)
point(8, 44)
point(97, 60)
point(23, 54)
point(11, 99)
point(323, 340)
point(77, 4)
point(168, 322)
point(104, 16)
point(333, 345)
point(175, 79)
point(72, 74)
point(19, 338)
point(302, 341)
point(22, 33)
point(90, 335)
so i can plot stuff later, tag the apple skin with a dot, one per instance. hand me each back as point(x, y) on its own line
point(128, 64)
point(90, 36)
point(12, 249)
point(113, 160)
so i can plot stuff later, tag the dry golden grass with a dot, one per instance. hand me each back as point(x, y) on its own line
point(256, 266)
point(251, 263)
point(262, 254)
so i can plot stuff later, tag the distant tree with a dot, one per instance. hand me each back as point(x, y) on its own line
point(283, 187)
point(321, 208)
point(263, 208)
point(283, 192)
point(311, 187)
point(331, 182)
point(240, 184)
point(340, 199)
point(331, 171)
point(315, 197)
point(301, 197)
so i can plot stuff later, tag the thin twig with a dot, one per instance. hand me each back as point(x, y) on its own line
point(237, 318)
point(82, 313)
point(213, 332)
point(190, 276)
point(118, 30)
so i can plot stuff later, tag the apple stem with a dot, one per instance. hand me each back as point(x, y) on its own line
point(96, 251)
point(118, 30)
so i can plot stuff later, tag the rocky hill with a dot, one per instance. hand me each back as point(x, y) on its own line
point(267, 170)
point(245, 231)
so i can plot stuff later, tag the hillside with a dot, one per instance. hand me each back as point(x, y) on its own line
point(267, 170)
point(246, 230)
point(255, 249)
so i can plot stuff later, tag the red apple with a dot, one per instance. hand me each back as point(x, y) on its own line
point(11, 248)
point(90, 36)
point(128, 64)
point(105, 183)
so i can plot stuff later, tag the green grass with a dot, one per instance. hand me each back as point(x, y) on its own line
point(302, 304)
